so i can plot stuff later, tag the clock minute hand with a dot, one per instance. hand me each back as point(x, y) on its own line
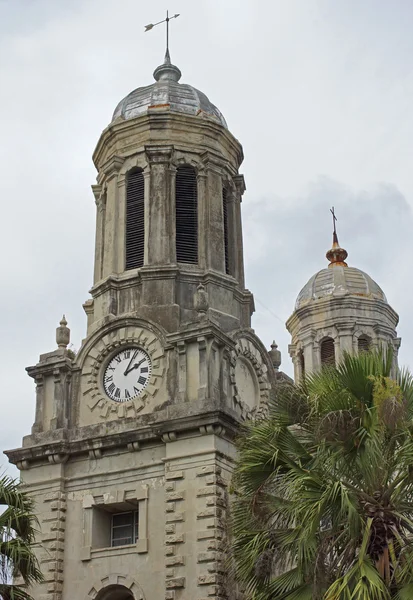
point(130, 362)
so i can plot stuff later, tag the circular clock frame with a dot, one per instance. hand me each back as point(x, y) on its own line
point(126, 373)
point(98, 358)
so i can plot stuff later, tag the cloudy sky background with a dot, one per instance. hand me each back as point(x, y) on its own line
point(319, 92)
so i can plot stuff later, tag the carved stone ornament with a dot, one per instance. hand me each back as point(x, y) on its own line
point(101, 353)
point(249, 380)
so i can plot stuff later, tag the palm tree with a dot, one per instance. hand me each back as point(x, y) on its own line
point(323, 489)
point(17, 530)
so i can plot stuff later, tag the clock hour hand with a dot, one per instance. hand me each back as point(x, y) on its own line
point(130, 362)
point(136, 366)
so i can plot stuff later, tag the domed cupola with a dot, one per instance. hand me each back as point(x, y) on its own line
point(168, 94)
point(340, 309)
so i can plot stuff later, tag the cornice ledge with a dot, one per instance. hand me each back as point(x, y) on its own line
point(199, 329)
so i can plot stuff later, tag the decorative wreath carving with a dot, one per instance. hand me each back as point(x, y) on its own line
point(246, 349)
point(92, 370)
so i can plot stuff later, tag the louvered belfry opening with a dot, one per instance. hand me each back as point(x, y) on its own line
point(186, 198)
point(135, 219)
point(225, 214)
point(363, 343)
point(327, 352)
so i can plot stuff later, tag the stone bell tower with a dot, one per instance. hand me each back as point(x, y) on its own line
point(132, 447)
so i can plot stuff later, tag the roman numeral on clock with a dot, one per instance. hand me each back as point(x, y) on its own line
point(118, 359)
point(142, 380)
point(144, 369)
point(117, 393)
point(111, 388)
point(127, 395)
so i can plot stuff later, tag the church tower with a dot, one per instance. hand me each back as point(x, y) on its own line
point(340, 309)
point(132, 446)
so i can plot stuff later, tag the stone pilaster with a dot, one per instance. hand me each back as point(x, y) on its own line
point(53, 536)
point(175, 559)
point(211, 533)
point(161, 222)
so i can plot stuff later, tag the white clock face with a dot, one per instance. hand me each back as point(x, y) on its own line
point(127, 374)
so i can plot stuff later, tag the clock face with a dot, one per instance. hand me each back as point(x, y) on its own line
point(127, 374)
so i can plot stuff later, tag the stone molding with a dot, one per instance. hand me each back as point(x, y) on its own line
point(115, 579)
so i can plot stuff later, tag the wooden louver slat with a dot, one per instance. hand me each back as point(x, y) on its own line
point(363, 343)
point(328, 352)
point(225, 215)
point(186, 197)
point(135, 220)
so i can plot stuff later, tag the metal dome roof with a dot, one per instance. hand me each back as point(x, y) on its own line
point(168, 93)
point(337, 282)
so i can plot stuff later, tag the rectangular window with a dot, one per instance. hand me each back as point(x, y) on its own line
point(125, 528)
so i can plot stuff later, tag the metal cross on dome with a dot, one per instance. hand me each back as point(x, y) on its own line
point(168, 18)
point(334, 220)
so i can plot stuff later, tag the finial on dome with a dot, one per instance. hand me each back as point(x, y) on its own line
point(167, 71)
point(336, 255)
point(63, 334)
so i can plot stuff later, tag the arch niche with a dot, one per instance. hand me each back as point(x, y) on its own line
point(116, 587)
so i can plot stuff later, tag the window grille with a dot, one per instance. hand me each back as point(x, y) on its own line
point(363, 343)
point(125, 528)
point(135, 219)
point(186, 198)
point(328, 352)
point(225, 214)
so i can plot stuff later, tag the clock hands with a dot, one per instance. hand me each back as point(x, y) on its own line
point(135, 366)
point(130, 362)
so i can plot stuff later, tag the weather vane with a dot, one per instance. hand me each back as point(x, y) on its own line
point(168, 18)
point(334, 220)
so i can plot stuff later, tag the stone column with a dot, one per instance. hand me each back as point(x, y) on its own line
point(100, 200)
point(345, 339)
point(239, 251)
point(214, 223)
point(310, 360)
point(161, 217)
point(112, 236)
point(232, 211)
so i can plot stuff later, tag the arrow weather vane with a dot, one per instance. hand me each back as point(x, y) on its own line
point(168, 18)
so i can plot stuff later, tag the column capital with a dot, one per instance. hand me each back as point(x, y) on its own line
point(240, 184)
point(159, 154)
point(211, 163)
point(112, 167)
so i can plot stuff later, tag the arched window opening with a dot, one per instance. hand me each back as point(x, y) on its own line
point(225, 214)
point(186, 198)
point(328, 357)
point(301, 362)
point(135, 219)
point(363, 343)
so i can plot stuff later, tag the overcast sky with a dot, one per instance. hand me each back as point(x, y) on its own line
point(319, 92)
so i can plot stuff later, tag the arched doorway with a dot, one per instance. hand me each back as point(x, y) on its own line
point(115, 592)
point(116, 587)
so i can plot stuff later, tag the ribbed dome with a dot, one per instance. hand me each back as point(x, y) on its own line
point(169, 94)
point(339, 281)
